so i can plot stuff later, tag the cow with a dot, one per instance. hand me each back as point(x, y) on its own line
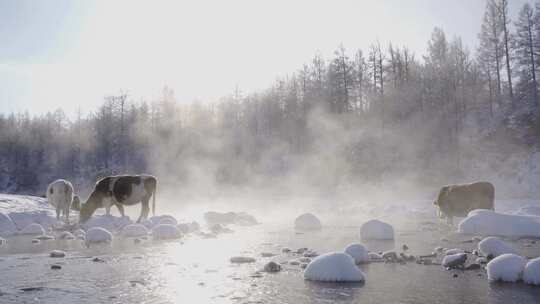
point(459, 200)
point(121, 190)
point(60, 195)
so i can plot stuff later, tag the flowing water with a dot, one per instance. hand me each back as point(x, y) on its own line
point(198, 270)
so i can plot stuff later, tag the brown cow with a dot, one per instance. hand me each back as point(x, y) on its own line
point(119, 191)
point(459, 200)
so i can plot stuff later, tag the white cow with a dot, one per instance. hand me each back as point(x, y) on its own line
point(60, 195)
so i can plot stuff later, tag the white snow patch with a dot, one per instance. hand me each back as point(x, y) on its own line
point(487, 222)
point(307, 221)
point(495, 247)
point(188, 227)
point(134, 230)
point(334, 267)
point(25, 210)
point(451, 260)
point(33, 229)
point(98, 235)
point(166, 231)
point(358, 252)
point(507, 268)
point(531, 274)
point(376, 230)
point(109, 222)
point(7, 227)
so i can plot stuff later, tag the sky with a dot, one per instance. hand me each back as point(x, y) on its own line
point(71, 54)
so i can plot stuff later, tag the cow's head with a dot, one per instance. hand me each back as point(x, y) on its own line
point(88, 208)
point(441, 202)
point(76, 204)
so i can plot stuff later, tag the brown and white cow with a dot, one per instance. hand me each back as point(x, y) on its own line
point(459, 200)
point(119, 191)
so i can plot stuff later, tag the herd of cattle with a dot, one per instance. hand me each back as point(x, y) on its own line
point(119, 190)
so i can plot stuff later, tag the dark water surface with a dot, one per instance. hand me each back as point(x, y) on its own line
point(198, 270)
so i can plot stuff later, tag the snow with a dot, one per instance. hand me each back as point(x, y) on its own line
point(245, 219)
point(494, 247)
point(166, 231)
point(307, 221)
point(7, 227)
point(25, 210)
point(238, 218)
point(507, 268)
point(79, 233)
point(453, 251)
point(487, 222)
point(454, 260)
point(98, 235)
point(531, 274)
point(376, 230)
point(108, 222)
point(134, 230)
point(33, 229)
point(528, 210)
point(333, 267)
point(188, 227)
point(358, 252)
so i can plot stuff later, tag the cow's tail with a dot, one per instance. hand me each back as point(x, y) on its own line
point(154, 200)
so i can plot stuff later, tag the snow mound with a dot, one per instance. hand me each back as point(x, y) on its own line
point(98, 235)
point(23, 219)
point(307, 221)
point(494, 247)
point(453, 251)
point(487, 222)
point(507, 268)
point(334, 267)
point(79, 232)
point(531, 274)
point(358, 252)
point(376, 230)
point(7, 227)
point(188, 227)
point(109, 222)
point(134, 230)
point(454, 260)
point(33, 229)
point(238, 218)
point(166, 231)
point(66, 235)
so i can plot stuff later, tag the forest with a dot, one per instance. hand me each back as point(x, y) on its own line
point(379, 117)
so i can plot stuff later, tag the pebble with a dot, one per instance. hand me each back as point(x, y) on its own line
point(294, 263)
point(405, 247)
point(36, 241)
point(286, 250)
point(303, 265)
point(242, 260)
point(272, 267)
point(267, 254)
point(57, 254)
point(455, 275)
point(98, 260)
point(45, 237)
point(473, 266)
point(56, 267)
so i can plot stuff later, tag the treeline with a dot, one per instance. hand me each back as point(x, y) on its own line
point(362, 117)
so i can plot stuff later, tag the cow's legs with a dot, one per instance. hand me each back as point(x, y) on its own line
point(66, 212)
point(108, 210)
point(58, 209)
point(450, 220)
point(145, 209)
point(120, 209)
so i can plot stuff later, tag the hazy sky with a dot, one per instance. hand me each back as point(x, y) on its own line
point(70, 54)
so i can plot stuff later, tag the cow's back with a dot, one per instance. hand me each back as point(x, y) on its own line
point(59, 192)
point(461, 199)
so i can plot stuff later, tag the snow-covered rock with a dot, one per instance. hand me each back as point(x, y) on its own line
point(488, 222)
point(454, 260)
point(307, 221)
point(358, 252)
point(531, 274)
point(334, 267)
point(98, 235)
point(33, 229)
point(507, 268)
point(66, 235)
point(25, 210)
point(238, 218)
point(7, 227)
point(376, 230)
point(245, 219)
point(134, 230)
point(166, 231)
point(374, 256)
point(186, 228)
point(494, 247)
point(79, 232)
point(453, 251)
point(109, 222)
point(528, 210)
point(23, 219)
